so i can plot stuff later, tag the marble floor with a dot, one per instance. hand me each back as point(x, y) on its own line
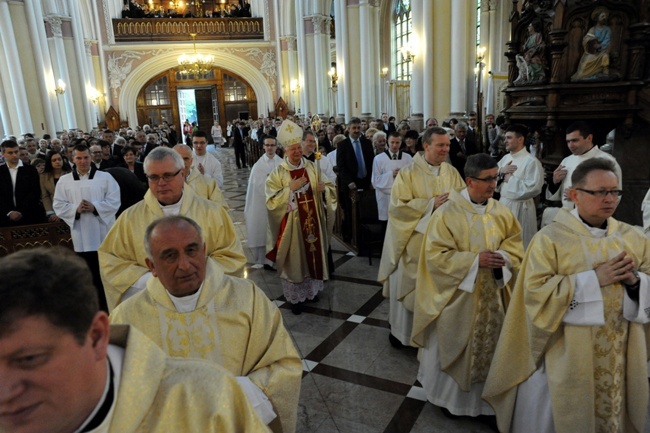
point(353, 379)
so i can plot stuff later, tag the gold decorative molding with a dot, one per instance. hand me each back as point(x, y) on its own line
point(179, 29)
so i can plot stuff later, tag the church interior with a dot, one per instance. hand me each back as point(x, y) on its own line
point(91, 65)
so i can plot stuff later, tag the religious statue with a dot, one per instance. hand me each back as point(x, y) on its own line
point(532, 61)
point(594, 64)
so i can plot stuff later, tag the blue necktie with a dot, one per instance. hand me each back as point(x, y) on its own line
point(361, 172)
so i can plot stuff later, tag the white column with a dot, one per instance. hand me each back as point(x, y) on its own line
point(15, 73)
point(417, 65)
point(380, 83)
point(78, 40)
point(292, 73)
point(280, 91)
point(102, 61)
point(93, 83)
point(366, 51)
point(60, 66)
point(5, 116)
point(43, 65)
point(342, 95)
point(303, 93)
point(428, 57)
point(321, 79)
point(459, 33)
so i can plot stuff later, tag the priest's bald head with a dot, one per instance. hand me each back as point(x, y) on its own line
point(53, 342)
point(165, 172)
point(176, 254)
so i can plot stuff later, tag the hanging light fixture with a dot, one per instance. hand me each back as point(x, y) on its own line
point(195, 64)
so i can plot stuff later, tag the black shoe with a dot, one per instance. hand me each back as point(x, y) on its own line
point(395, 342)
point(269, 268)
point(296, 308)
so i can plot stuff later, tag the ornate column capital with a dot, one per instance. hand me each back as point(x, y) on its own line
point(318, 21)
point(55, 26)
point(290, 41)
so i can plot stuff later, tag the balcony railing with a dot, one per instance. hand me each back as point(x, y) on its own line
point(179, 29)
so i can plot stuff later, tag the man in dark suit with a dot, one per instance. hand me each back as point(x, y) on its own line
point(327, 141)
point(20, 190)
point(461, 147)
point(353, 171)
point(239, 143)
point(386, 125)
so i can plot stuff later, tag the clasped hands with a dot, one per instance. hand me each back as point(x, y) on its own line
point(618, 269)
point(85, 206)
point(491, 260)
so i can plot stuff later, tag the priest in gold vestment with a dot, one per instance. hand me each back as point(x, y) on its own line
point(202, 185)
point(122, 256)
point(419, 189)
point(572, 355)
point(64, 372)
point(470, 256)
point(301, 202)
point(192, 310)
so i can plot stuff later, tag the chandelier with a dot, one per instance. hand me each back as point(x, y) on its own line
point(195, 64)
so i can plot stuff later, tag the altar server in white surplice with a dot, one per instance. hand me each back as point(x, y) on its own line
point(580, 142)
point(521, 178)
point(385, 167)
point(257, 220)
point(207, 164)
point(87, 200)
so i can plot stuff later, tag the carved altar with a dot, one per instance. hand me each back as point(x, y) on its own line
point(594, 58)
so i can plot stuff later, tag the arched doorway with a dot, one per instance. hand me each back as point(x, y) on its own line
point(220, 96)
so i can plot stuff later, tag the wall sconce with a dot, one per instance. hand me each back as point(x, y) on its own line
point(407, 52)
point(384, 72)
point(480, 55)
point(94, 96)
point(60, 87)
point(295, 87)
point(334, 76)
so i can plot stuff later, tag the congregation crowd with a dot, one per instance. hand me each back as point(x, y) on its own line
point(535, 314)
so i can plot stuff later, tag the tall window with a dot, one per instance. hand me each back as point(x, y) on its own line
point(403, 28)
point(158, 107)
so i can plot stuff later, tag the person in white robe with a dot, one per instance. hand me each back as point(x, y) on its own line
point(385, 167)
point(202, 185)
point(87, 200)
point(206, 163)
point(580, 142)
point(521, 178)
point(308, 147)
point(255, 212)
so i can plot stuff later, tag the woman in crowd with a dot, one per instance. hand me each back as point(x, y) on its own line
point(54, 169)
point(217, 136)
point(136, 167)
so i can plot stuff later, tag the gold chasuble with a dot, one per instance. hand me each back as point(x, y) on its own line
point(467, 324)
point(299, 239)
point(122, 254)
point(597, 375)
point(162, 394)
point(413, 190)
point(206, 187)
point(234, 325)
